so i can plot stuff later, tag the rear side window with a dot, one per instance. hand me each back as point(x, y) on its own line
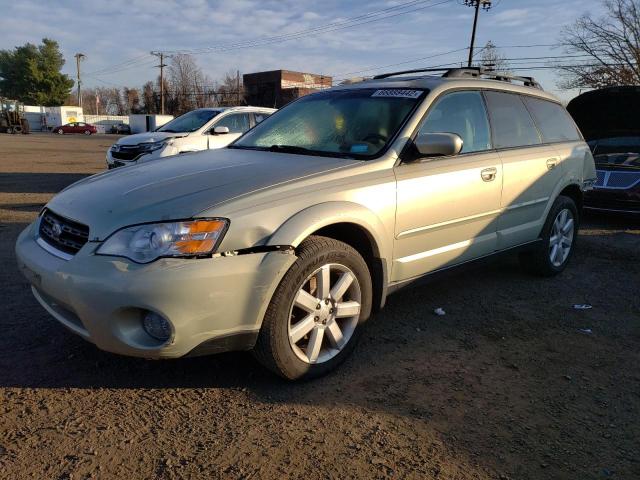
point(552, 120)
point(510, 121)
point(462, 113)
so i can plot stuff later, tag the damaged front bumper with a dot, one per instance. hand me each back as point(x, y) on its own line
point(213, 304)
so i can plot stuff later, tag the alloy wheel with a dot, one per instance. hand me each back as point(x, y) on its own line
point(324, 313)
point(561, 239)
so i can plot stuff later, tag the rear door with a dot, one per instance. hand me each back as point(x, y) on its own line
point(447, 206)
point(530, 167)
point(559, 131)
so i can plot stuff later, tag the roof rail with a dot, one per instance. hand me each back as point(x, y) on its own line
point(475, 72)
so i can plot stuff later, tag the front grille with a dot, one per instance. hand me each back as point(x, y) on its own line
point(617, 179)
point(61, 233)
point(127, 152)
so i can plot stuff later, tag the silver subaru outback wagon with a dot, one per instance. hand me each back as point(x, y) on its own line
point(285, 242)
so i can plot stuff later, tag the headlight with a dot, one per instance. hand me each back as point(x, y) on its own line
point(153, 146)
point(146, 243)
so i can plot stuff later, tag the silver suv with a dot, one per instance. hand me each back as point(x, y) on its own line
point(285, 242)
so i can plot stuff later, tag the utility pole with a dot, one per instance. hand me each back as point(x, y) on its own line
point(79, 57)
point(238, 87)
point(486, 5)
point(161, 55)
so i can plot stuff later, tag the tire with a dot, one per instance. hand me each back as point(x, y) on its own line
point(294, 360)
point(545, 260)
point(9, 130)
point(60, 131)
point(87, 132)
point(17, 129)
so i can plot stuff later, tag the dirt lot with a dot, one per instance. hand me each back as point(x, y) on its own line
point(505, 385)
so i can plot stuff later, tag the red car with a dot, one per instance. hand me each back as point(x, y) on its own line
point(76, 127)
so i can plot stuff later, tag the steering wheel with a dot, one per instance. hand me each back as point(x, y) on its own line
point(376, 137)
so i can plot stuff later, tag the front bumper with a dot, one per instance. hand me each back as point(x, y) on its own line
point(213, 304)
point(613, 200)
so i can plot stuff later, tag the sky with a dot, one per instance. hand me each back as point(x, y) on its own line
point(303, 35)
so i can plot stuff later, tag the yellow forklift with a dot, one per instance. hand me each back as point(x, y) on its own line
point(12, 119)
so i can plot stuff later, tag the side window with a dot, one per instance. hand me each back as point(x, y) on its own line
point(259, 117)
point(462, 113)
point(236, 123)
point(552, 120)
point(510, 120)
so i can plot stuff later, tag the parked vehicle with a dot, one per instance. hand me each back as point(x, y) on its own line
point(287, 240)
point(121, 129)
point(12, 119)
point(202, 129)
point(75, 127)
point(607, 117)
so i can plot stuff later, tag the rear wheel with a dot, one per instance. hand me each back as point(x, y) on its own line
point(87, 132)
point(59, 131)
point(314, 318)
point(558, 240)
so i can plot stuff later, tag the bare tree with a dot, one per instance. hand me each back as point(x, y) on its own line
point(492, 59)
point(132, 100)
point(228, 90)
point(185, 78)
point(149, 98)
point(611, 43)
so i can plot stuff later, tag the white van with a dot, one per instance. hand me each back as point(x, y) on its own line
point(201, 129)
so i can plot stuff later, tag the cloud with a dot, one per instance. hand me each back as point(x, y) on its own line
point(113, 32)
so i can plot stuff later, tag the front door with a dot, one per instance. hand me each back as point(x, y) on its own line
point(447, 207)
point(237, 123)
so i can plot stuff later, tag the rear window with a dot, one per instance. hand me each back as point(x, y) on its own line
point(553, 121)
point(510, 121)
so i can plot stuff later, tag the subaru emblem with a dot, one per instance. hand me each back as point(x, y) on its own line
point(56, 229)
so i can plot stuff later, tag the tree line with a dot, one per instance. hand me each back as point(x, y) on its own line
point(186, 87)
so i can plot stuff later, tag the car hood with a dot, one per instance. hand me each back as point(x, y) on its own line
point(148, 137)
point(625, 161)
point(179, 188)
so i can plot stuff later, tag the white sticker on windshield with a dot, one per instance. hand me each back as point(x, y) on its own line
point(395, 93)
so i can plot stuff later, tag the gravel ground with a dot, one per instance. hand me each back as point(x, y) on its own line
point(507, 385)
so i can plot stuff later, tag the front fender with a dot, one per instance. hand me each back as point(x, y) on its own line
point(304, 223)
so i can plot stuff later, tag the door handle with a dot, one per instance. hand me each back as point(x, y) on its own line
point(552, 163)
point(488, 174)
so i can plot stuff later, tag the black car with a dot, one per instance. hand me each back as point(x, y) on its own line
point(609, 122)
point(121, 129)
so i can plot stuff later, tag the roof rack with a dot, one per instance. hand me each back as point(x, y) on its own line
point(474, 72)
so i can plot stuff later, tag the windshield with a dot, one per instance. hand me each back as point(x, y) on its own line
point(189, 122)
point(338, 123)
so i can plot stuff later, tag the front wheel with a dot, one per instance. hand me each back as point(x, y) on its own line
point(60, 132)
point(87, 132)
point(558, 240)
point(314, 318)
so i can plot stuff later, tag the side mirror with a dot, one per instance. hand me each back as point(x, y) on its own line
point(438, 144)
point(220, 130)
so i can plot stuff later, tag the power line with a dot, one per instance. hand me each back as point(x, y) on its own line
point(326, 28)
point(383, 14)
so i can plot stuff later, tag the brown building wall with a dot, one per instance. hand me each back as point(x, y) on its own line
point(278, 87)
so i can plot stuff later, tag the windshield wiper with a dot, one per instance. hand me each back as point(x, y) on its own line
point(290, 149)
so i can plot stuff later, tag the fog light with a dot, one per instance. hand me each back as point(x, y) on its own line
point(156, 326)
